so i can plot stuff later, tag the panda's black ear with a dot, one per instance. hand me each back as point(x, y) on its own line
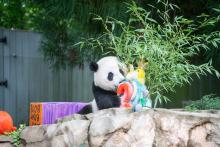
point(93, 66)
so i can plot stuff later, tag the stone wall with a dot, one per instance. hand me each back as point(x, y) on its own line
point(122, 128)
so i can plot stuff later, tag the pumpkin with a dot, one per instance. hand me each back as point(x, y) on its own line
point(6, 123)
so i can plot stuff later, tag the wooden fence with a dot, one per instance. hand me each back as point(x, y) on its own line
point(29, 79)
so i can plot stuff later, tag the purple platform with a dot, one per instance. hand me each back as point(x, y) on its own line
point(54, 110)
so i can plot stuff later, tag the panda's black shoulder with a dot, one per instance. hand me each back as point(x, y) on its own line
point(97, 91)
point(105, 99)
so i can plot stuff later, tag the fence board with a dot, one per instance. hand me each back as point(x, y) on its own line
point(22, 77)
point(10, 74)
point(1, 72)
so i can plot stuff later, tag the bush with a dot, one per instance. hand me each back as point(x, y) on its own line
point(166, 43)
point(207, 102)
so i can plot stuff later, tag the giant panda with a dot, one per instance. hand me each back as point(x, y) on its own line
point(108, 73)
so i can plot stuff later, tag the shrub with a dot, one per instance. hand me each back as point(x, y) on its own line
point(207, 102)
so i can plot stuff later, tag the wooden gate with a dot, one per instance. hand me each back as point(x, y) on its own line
point(30, 79)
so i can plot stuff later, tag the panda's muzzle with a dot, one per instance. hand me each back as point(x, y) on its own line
point(116, 86)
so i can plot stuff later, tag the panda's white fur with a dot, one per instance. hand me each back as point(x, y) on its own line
point(106, 65)
point(104, 90)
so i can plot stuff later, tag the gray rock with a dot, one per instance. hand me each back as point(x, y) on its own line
point(160, 127)
point(5, 141)
point(6, 145)
point(123, 128)
point(34, 134)
point(4, 138)
point(57, 135)
point(71, 117)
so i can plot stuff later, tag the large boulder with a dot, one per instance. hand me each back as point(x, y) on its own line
point(123, 128)
point(159, 127)
point(64, 134)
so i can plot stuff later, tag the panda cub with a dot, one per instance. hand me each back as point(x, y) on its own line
point(108, 73)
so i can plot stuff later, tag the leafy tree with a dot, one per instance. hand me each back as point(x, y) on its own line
point(17, 14)
point(174, 42)
point(63, 23)
point(167, 43)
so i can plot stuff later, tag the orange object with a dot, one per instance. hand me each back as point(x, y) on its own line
point(36, 114)
point(125, 92)
point(6, 123)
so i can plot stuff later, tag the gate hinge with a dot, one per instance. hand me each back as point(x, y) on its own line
point(3, 40)
point(4, 83)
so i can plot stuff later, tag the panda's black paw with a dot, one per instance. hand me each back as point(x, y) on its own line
point(86, 110)
point(117, 102)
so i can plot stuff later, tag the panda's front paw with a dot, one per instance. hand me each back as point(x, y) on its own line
point(117, 102)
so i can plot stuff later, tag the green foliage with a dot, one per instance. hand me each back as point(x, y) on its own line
point(207, 102)
point(167, 43)
point(17, 14)
point(16, 135)
point(63, 23)
point(214, 51)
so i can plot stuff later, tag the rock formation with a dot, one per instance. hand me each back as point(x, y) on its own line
point(123, 128)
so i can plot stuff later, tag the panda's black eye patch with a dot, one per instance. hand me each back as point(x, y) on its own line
point(121, 71)
point(110, 76)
